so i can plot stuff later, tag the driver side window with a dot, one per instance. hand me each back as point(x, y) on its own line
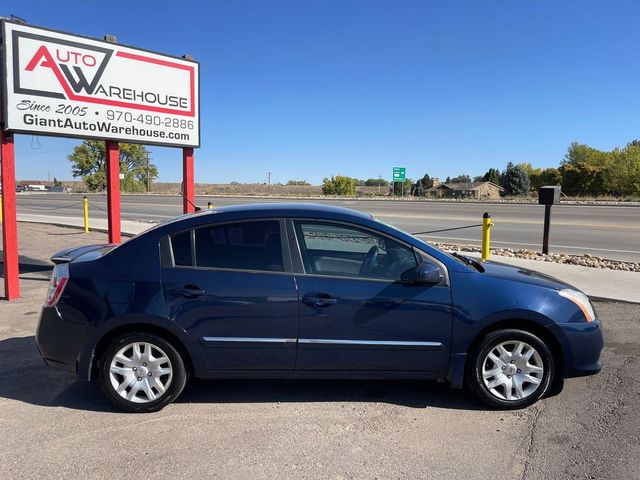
point(339, 250)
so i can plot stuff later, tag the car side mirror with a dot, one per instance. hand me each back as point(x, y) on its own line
point(428, 274)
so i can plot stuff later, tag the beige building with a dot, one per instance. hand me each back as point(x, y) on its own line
point(465, 190)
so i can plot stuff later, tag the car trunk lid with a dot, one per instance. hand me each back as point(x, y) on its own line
point(70, 254)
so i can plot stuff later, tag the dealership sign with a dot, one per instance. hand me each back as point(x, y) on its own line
point(67, 85)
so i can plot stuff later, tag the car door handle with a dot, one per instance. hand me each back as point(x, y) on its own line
point(321, 300)
point(189, 291)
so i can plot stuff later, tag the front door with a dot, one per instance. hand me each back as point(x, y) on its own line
point(231, 289)
point(360, 306)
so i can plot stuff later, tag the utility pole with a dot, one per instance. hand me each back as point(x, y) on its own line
point(379, 182)
point(148, 181)
point(268, 183)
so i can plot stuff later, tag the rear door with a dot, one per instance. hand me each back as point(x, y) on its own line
point(231, 287)
point(360, 306)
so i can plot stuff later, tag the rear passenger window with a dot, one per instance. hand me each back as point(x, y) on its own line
point(181, 247)
point(244, 246)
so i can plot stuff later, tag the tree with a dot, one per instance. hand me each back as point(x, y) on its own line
point(303, 183)
point(56, 182)
point(400, 188)
point(492, 175)
point(581, 178)
point(526, 166)
point(460, 179)
point(623, 178)
point(89, 159)
point(339, 185)
point(515, 180)
point(584, 171)
point(548, 176)
point(588, 171)
point(374, 182)
point(422, 185)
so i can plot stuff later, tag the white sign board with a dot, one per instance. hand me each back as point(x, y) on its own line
point(67, 85)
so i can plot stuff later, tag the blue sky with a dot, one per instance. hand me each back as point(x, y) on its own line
point(310, 88)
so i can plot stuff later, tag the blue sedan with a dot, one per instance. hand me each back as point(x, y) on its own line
point(307, 291)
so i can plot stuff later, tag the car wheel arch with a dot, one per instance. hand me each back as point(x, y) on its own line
point(530, 326)
point(107, 337)
point(459, 361)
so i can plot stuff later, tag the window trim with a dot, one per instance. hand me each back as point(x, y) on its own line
point(286, 256)
point(419, 255)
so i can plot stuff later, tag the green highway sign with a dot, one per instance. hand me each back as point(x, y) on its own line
point(399, 174)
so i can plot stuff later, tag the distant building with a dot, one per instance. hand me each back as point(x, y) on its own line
point(465, 190)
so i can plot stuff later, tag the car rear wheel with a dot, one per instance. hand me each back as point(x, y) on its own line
point(510, 369)
point(142, 373)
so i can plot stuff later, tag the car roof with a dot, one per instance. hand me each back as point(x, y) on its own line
point(292, 209)
point(277, 209)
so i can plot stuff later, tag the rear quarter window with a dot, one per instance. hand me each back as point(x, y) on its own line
point(181, 247)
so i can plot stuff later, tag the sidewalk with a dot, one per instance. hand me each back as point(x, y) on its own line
point(595, 282)
point(128, 228)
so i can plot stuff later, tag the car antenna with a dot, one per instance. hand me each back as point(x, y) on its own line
point(196, 208)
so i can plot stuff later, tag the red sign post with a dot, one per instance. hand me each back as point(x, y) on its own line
point(9, 225)
point(113, 190)
point(188, 199)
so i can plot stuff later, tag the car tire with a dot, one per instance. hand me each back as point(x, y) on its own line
point(510, 369)
point(141, 372)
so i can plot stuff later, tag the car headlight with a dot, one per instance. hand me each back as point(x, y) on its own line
point(581, 300)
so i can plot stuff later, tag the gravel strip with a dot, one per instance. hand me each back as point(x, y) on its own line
point(586, 260)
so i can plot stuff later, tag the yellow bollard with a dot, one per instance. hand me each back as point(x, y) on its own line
point(486, 235)
point(86, 214)
point(209, 205)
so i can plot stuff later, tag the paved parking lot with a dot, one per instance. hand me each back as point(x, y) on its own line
point(52, 426)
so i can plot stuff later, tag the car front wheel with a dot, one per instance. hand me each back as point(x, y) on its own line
point(510, 369)
point(142, 373)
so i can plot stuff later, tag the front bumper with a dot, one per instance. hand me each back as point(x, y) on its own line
point(59, 341)
point(584, 344)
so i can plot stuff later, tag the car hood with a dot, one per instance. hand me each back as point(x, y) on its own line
point(523, 275)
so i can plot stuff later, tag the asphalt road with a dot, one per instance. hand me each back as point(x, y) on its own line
point(606, 231)
point(53, 426)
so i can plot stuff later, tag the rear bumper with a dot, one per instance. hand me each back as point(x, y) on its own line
point(59, 341)
point(584, 346)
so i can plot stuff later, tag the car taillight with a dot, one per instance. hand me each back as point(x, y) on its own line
point(59, 279)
